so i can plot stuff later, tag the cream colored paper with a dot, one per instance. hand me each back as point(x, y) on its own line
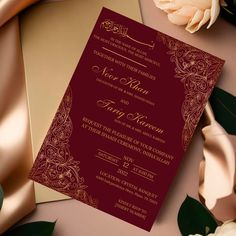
point(53, 38)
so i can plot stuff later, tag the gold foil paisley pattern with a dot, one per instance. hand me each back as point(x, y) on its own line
point(198, 72)
point(55, 167)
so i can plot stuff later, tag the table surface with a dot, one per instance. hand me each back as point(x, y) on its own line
point(75, 218)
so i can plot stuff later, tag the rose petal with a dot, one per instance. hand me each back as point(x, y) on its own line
point(198, 21)
point(178, 19)
point(192, 13)
point(166, 5)
point(200, 4)
point(219, 165)
point(193, 24)
point(215, 11)
point(182, 16)
point(227, 229)
point(177, 4)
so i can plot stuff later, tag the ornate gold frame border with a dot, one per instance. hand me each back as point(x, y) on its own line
point(198, 71)
point(55, 167)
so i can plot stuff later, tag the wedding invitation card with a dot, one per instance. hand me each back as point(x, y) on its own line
point(126, 119)
point(43, 57)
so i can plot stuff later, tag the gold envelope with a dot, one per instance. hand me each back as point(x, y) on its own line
point(54, 34)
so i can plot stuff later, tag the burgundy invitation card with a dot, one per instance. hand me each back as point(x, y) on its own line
point(126, 119)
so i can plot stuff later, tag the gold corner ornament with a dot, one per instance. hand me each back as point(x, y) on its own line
point(55, 167)
point(197, 71)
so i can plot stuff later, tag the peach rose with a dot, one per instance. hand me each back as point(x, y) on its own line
point(193, 13)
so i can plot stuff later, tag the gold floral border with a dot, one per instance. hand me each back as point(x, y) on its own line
point(55, 167)
point(198, 71)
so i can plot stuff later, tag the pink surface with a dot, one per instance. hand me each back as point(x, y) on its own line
point(75, 218)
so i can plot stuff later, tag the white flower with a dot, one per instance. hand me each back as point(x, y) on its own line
point(227, 229)
point(193, 13)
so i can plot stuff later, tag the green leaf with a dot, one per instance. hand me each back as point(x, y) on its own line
point(1, 196)
point(229, 11)
point(224, 107)
point(231, 2)
point(194, 218)
point(40, 228)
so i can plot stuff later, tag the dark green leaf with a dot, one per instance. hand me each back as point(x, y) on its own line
point(230, 2)
point(229, 11)
point(40, 228)
point(224, 107)
point(194, 218)
point(1, 196)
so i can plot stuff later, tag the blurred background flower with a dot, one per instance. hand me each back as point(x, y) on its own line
point(193, 14)
point(227, 229)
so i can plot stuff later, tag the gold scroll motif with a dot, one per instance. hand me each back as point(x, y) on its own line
point(55, 167)
point(198, 71)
